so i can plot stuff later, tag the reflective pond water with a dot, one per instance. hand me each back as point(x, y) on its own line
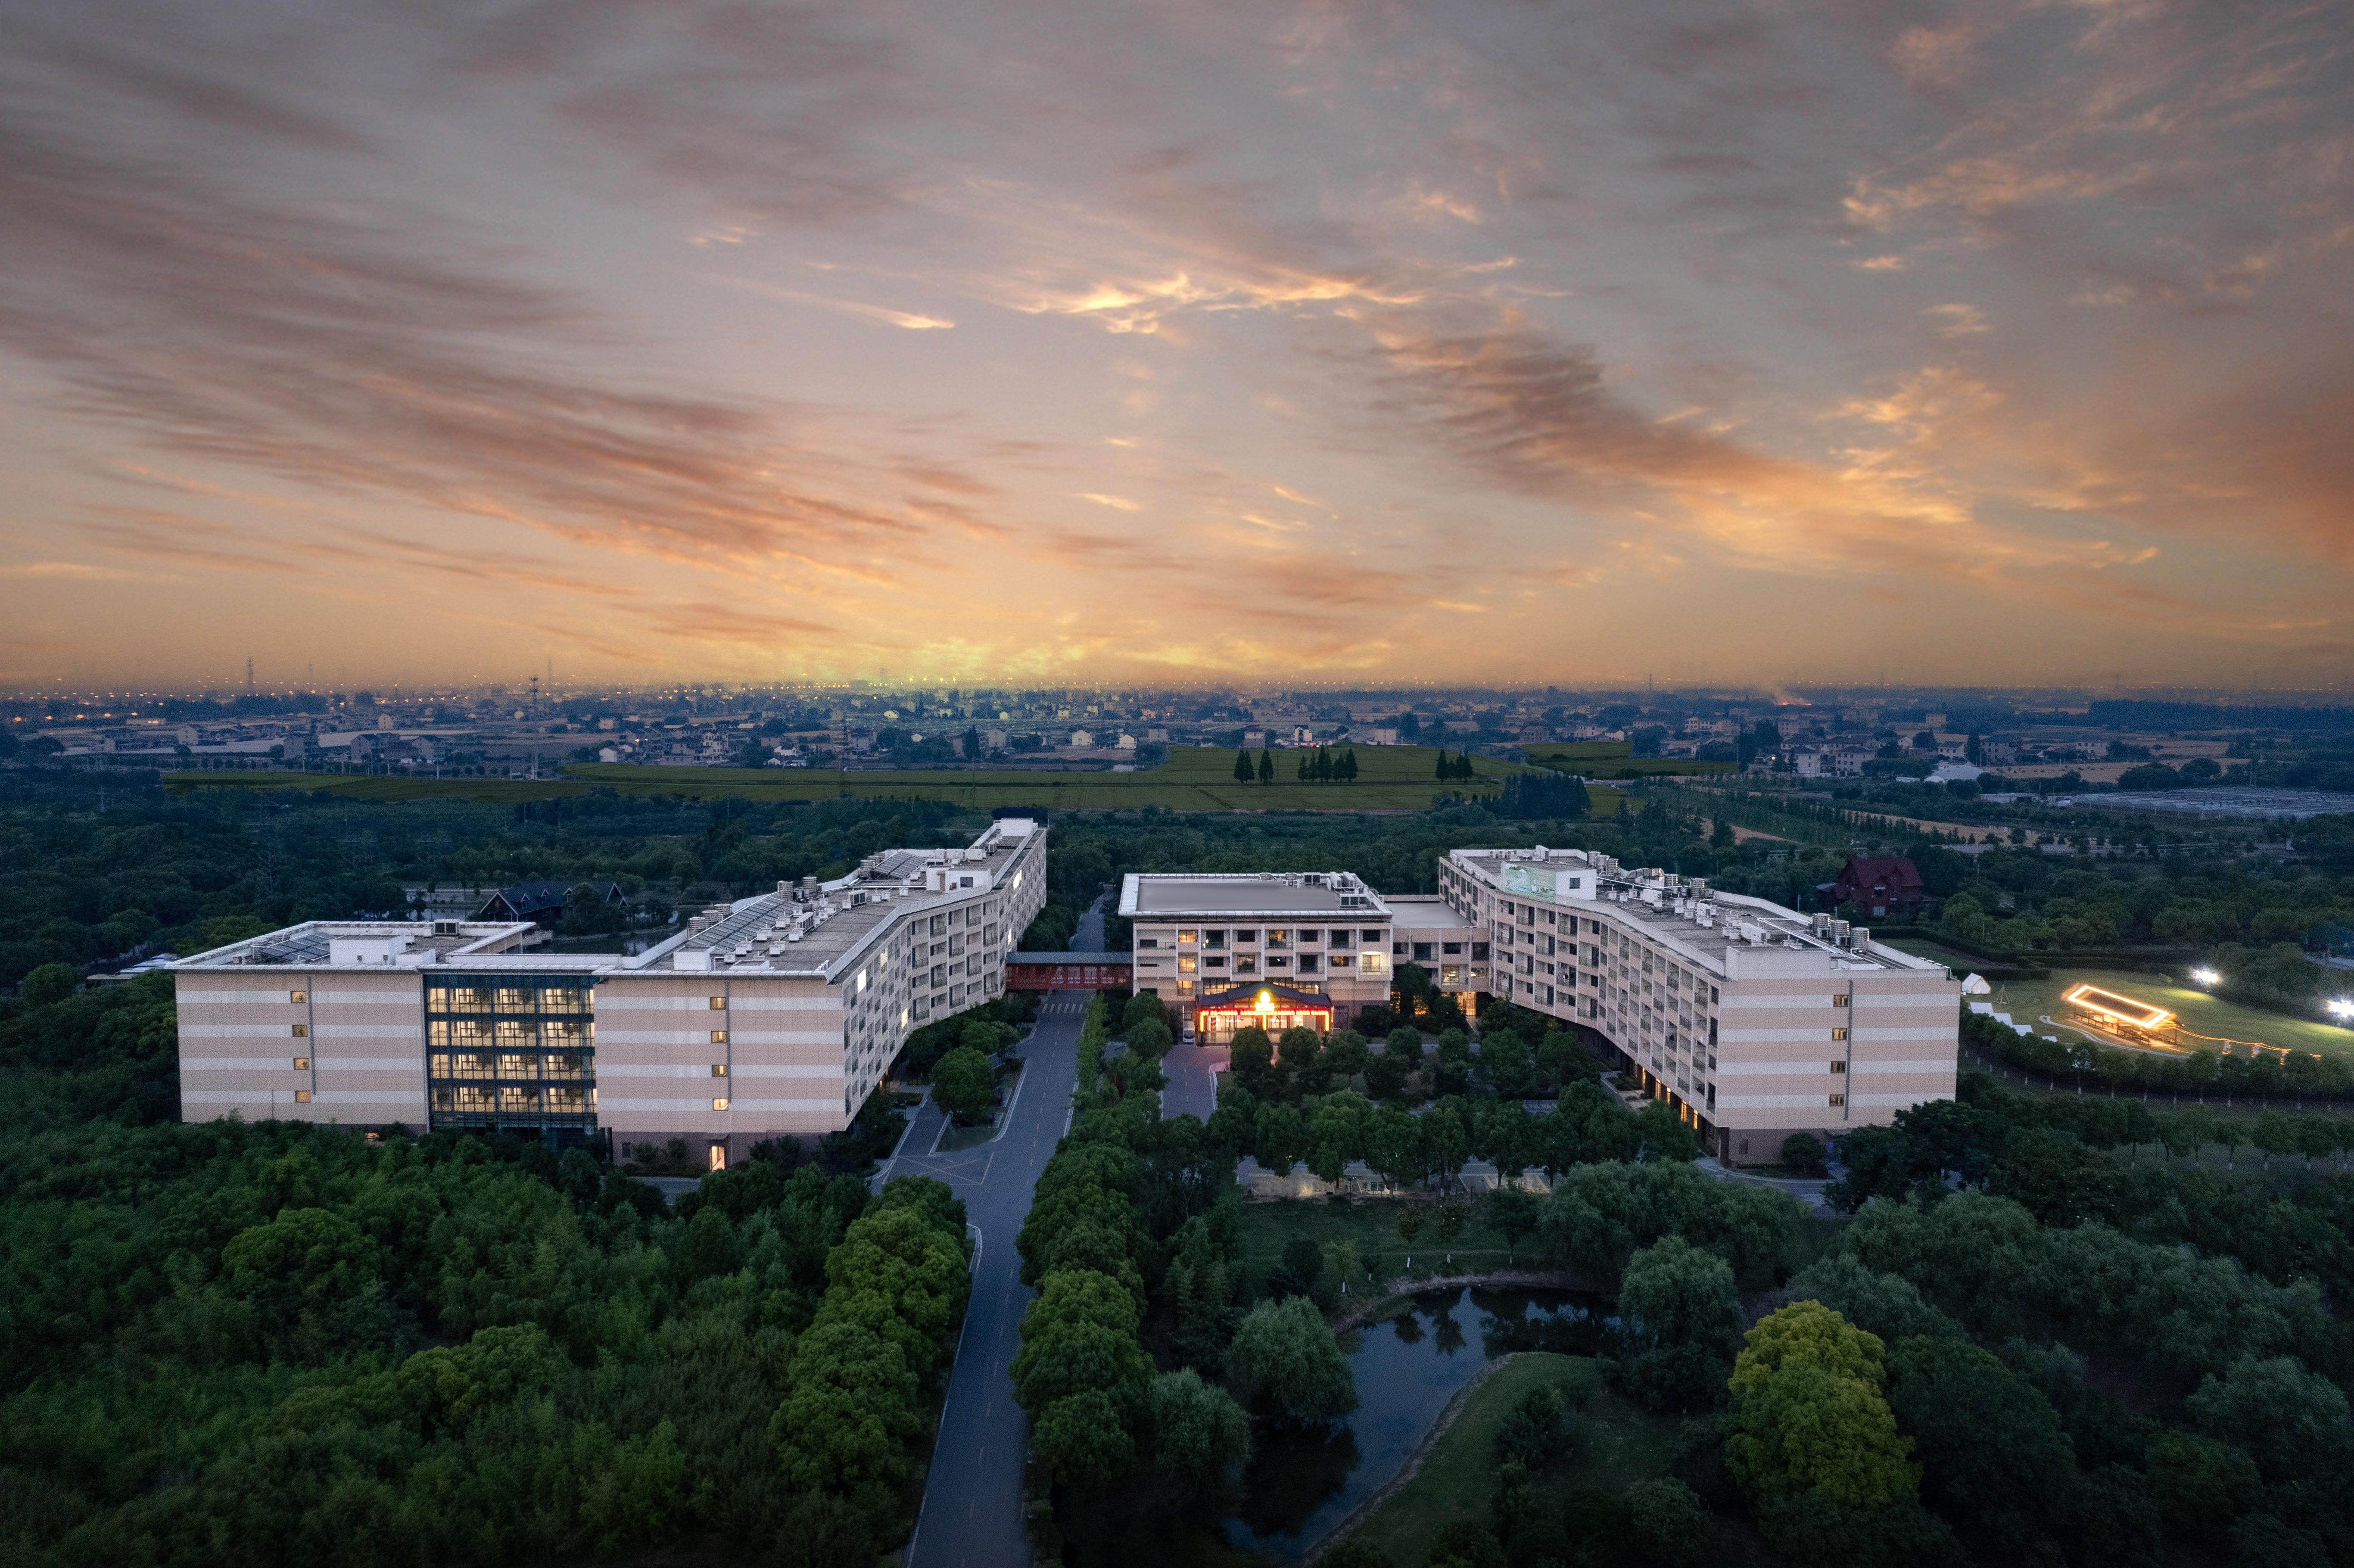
point(1300, 1485)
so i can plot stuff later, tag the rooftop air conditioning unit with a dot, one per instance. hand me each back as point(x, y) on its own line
point(445, 927)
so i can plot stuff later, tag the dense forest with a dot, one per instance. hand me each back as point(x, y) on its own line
point(2024, 1341)
point(2019, 1349)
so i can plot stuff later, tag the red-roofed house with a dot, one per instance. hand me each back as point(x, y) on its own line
point(1887, 886)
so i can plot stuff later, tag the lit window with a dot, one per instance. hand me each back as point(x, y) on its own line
point(297, 996)
point(719, 1003)
point(301, 1031)
point(1839, 1066)
point(1839, 1033)
point(719, 1037)
point(719, 1104)
point(1839, 1001)
point(1839, 1099)
point(718, 1069)
point(301, 1097)
point(301, 1064)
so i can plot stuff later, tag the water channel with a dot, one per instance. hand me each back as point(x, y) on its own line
point(1408, 1368)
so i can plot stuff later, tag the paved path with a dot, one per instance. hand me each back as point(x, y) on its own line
point(972, 1515)
point(1807, 1191)
point(1192, 1080)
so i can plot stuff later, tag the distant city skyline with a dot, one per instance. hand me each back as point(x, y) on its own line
point(1282, 345)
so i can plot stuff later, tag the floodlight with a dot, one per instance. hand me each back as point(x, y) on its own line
point(2342, 1007)
point(2205, 977)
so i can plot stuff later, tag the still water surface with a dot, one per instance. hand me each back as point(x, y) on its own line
point(1299, 1486)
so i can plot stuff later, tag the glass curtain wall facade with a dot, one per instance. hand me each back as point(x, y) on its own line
point(515, 1055)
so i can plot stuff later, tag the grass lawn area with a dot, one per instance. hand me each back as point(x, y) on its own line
point(2027, 1001)
point(1370, 1224)
point(1618, 1444)
point(1616, 759)
point(1195, 779)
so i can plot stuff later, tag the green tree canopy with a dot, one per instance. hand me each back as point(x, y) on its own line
point(1200, 1435)
point(1290, 1364)
point(964, 1084)
point(1808, 1413)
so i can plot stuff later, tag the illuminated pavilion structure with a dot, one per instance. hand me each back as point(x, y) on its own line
point(1220, 1015)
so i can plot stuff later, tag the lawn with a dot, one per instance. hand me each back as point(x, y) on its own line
point(1616, 759)
point(1617, 1444)
point(2027, 1000)
point(1195, 779)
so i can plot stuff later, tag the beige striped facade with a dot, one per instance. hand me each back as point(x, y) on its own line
point(1750, 1040)
point(351, 1049)
point(718, 1049)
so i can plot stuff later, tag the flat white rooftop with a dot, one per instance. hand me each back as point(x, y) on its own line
point(1316, 894)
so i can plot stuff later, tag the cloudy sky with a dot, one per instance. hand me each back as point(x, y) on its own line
point(1471, 339)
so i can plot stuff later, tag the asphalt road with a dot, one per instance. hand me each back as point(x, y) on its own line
point(972, 1515)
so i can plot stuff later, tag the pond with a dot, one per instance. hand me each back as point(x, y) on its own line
point(1301, 1485)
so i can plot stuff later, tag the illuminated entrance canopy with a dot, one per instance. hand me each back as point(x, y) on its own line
point(1221, 1015)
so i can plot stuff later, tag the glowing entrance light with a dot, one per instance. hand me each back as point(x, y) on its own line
point(1265, 1008)
point(2205, 977)
point(2342, 1007)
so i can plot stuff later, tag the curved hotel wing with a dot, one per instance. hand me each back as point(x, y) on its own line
point(1753, 1021)
point(772, 1016)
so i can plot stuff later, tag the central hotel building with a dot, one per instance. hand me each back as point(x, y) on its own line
point(1753, 1021)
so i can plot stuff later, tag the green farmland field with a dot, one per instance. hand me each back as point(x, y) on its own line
point(1195, 779)
point(1616, 759)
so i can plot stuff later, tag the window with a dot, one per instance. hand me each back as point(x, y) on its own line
point(1213, 964)
point(719, 1037)
point(1479, 952)
point(1275, 939)
point(301, 1097)
point(1372, 937)
point(1422, 952)
point(1307, 936)
point(1184, 938)
point(1452, 950)
point(1839, 1066)
point(1147, 942)
point(1372, 963)
point(1839, 1033)
point(1246, 936)
point(1344, 939)
point(1186, 964)
point(516, 1064)
point(719, 1104)
point(1213, 938)
point(301, 1064)
point(297, 996)
point(301, 1031)
point(517, 1099)
point(1308, 963)
point(719, 1003)
point(1247, 965)
point(1839, 1001)
point(718, 1069)
point(1839, 1099)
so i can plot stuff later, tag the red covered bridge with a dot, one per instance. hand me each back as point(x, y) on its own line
point(1068, 972)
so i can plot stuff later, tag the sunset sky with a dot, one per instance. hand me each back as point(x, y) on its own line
point(1479, 340)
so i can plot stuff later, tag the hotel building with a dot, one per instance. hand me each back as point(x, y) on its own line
point(772, 1016)
point(1753, 1021)
point(1314, 948)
